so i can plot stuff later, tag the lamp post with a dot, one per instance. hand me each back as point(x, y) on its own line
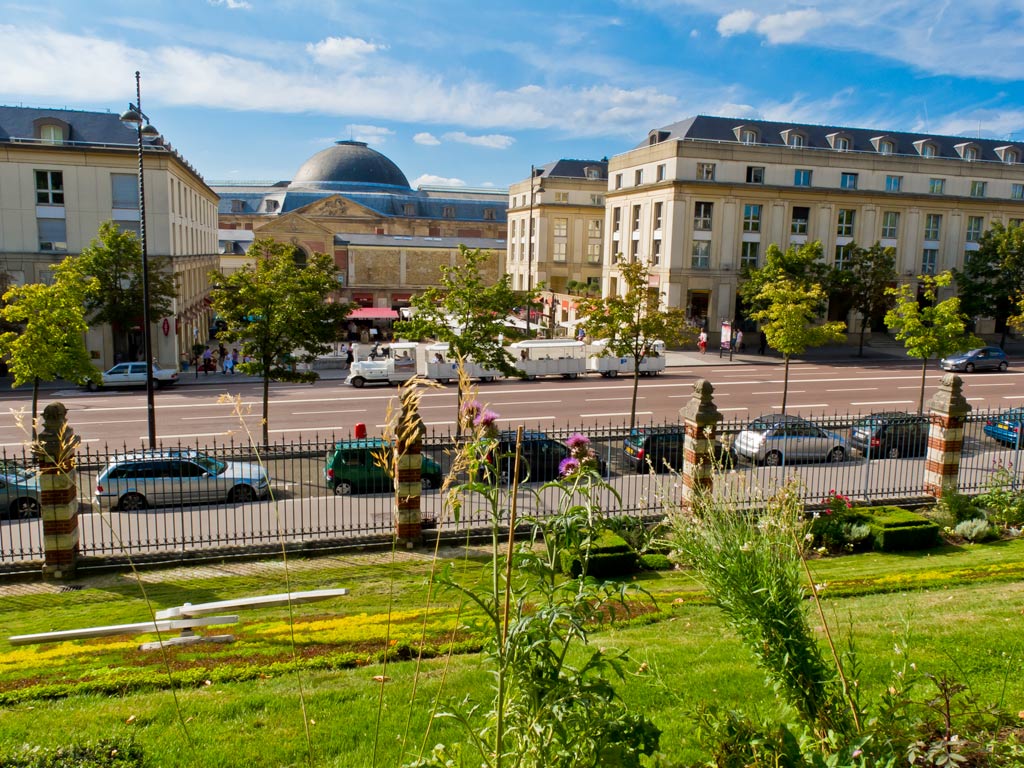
point(529, 252)
point(134, 116)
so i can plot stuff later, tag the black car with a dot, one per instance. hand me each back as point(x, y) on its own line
point(890, 435)
point(539, 460)
point(663, 448)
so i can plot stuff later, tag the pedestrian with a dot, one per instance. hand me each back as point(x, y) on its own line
point(762, 342)
point(228, 365)
point(702, 341)
point(207, 361)
point(234, 359)
point(354, 350)
point(349, 355)
point(739, 340)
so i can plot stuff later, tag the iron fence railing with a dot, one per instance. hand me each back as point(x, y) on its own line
point(304, 509)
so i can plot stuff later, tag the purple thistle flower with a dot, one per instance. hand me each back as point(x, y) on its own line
point(471, 408)
point(485, 418)
point(578, 441)
point(568, 466)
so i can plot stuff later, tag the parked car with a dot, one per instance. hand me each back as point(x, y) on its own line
point(539, 460)
point(19, 492)
point(1007, 427)
point(777, 439)
point(351, 467)
point(981, 359)
point(662, 449)
point(135, 481)
point(890, 435)
point(133, 375)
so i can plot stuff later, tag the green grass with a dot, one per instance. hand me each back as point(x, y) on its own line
point(960, 607)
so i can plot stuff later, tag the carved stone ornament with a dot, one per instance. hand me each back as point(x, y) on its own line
point(57, 442)
point(949, 400)
point(701, 407)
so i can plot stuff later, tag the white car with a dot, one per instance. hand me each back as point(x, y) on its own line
point(133, 375)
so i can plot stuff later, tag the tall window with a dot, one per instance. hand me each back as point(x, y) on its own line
point(751, 218)
point(748, 137)
point(561, 197)
point(843, 253)
point(848, 181)
point(657, 215)
point(842, 144)
point(796, 140)
point(594, 253)
point(755, 174)
point(929, 261)
point(801, 215)
point(970, 154)
point(558, 251)
point(705, 171)
point(702, 216)
point(53, 234)
point(845, 226)
point(636, 218)
point(927, 150)
point(978, 188)
point(936, 186)
point(802, 177)
point(659, 172)
point(1017, 191)
point(974, 227)
point(656, 251)
point(933, 226)
point(638, 177)
point(890, 225)
point(448, 211)
point(893, 183)
point(49, 187)
point(618, 181)
point(561, 227)
point(886, 147)
point(124, 190)
point(701, 258)
point(594, 228)
point(748, 255)
point(597, 199)
point(616, 219)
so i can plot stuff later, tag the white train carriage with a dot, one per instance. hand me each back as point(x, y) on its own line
point(599, 361)
point(443, 367)
point(550, 357)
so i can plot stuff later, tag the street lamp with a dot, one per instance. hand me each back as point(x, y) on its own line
point(529, 252)
point(134, 116)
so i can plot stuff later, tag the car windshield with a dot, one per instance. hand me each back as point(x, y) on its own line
point(762, 425)
point(14, 471)
point(210, 464)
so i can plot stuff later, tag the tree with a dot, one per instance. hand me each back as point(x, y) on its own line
point(864, 284)
point(632, 321)
point(802, 266)
point(929, 328)
point(277, 310)
point(114, 260)
point(788, 315)
point(467, 311)
point(49, 340)
point(991, 283)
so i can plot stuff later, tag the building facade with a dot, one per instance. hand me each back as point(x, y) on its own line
point(702, 199)
point(65, 172)
point(388, 241)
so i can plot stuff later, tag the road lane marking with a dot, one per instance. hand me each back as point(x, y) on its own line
point(606, 415)
point(741, 408)
point(854, 389)
point(606, 399)
point(885, 402)
point(335, 411)
point(804, 405)
point(782, 392)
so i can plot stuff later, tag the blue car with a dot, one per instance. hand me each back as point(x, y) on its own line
point(981, 359)
point(1007, 427)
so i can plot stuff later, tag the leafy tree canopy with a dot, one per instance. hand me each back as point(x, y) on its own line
point(800, 265)
point(864, 283)
point(991, 283)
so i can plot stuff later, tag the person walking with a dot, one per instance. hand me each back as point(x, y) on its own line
point(702, 341)
point(739, 340)
point(762, 342)
point(349, 355)
point(207, 361)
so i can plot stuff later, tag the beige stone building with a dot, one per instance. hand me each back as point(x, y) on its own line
point(65, 172)
point(703, 198)
point(388, 241)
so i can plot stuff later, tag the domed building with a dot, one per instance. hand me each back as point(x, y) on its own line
point(388, 240)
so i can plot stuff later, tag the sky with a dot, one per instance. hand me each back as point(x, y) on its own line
point(472, 93)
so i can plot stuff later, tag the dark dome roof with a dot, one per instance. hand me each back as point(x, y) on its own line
point(348, 163)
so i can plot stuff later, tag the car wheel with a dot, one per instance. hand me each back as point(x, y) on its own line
point(486, 379)
point(443, 381)
point(92, 386)
point(613, 374)
point(343, 488)
point(427, 483)
point(358, 382)
point(969, 368)
point(22, 509)
point(836, 454)
point(1003, 366)
point(242, 493)
point(132, 502)
point(772, 459)
point(893, 452)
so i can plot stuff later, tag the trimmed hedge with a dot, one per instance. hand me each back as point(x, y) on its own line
point(898, 530)
point(610, 557)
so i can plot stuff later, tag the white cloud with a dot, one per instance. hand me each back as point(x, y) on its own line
point(426, 139)
point(371, 134)
point(234, 5)
point(430, 180)
point(334, 50)
point(491, 141)
point(791, 26)
point(736, 23)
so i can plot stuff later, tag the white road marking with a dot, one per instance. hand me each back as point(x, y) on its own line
point(854, 389)
point(606, 415)
point(780, 392)
point(356, 410)
point(734, 409)
point(803, 405)
point(884, 402)
point(605, 399)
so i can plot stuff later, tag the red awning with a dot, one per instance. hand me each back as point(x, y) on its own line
point(373, 313)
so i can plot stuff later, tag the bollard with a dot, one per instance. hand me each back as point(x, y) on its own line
point(55, 454)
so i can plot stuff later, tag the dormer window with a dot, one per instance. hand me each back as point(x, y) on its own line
point(50, 130)
point(656, 137)
point(884, 145)
point(840, 142)
point(488, 214)
point(796, 140)
point(271, 206)
point(746, 134)
point(968, 151)
point(237, 206)
point(409, 209)
point(592, 173)
point(1009, 155)
point(448, 211)
point(793, 138)
point(925, 148)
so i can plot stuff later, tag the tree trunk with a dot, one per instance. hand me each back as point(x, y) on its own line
point(636, 385)
point(35, 408)
point(924, 372)
point(785, 383)
point(863, 327)
point(266, 403)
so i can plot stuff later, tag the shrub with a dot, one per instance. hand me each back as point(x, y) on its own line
point(894, 529)
point(953, 508)
point(1002, 502)
point(830, 527)
point(653, 561)
point(105, 753)
point(608, 557)
point(978, 529)
point(639, 535)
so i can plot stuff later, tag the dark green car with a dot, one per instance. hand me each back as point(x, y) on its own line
point(352, 468)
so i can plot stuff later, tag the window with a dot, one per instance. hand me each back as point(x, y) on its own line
point(845, 226)
point(886, 147)
point(273, 205)
point(592, 173)
point(656, 251)
point(657, 215)
point(638, 177)
point(848, 181)
point(594, 228)
point(749, 137)
point(970, 154)
point(751, 218)
point(597, 199)
point(1017, 191)
point(842, 144)
point(618, 181)
point(796, 140)
point(1011, 156)
point(936, 186)
point(558, 251)
point(634, 249)
point(561, 227)
point(843, 253)
point(893, 183)
point(237, 206)
point(124, 190)
point(890, 224)
point(974, 227)
point(702, 216)
point(616, 219)
point(594, 253)
point(800, 217)
point(927, 150)
point(129, 226)
point(802, 177)
point(705, 171)
point(748, 255)
point(932, 226)
point(53, 235)
point(755, 174)
point(978, 188)
point(488, 214)
point(50, 187)
point(929, 260)
point(636, 218)
point(1014, 223)
point(701, 258)
point(659, 173)
point(51, 134)
point(561, 197)
point(448, 212)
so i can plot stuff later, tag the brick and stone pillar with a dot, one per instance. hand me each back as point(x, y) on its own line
point(700, 418)
point(55, 454)
point(947, 408)
point(408, 446)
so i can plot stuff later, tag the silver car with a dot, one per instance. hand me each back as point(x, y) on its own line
point(135, 481)
point(778, 439)
point(133, 375)
point(19, 492)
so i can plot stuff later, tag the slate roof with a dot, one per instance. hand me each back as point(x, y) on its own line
point(348, 162)
point(84, 127)
point(417, 241)
point(720, 129)
point(573, 169)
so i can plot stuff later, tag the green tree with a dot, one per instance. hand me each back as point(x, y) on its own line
point(991, 283)
point(789, 311)
point(633, 320)
point(277, 310)
point(864, 284)
point(114, 260)
point(49, 340)
point(802, 266)
point(467, 311)
point(929, 328)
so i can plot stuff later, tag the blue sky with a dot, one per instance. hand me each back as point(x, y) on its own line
point(472, 93)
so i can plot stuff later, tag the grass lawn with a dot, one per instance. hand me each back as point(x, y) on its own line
point(237, 704)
